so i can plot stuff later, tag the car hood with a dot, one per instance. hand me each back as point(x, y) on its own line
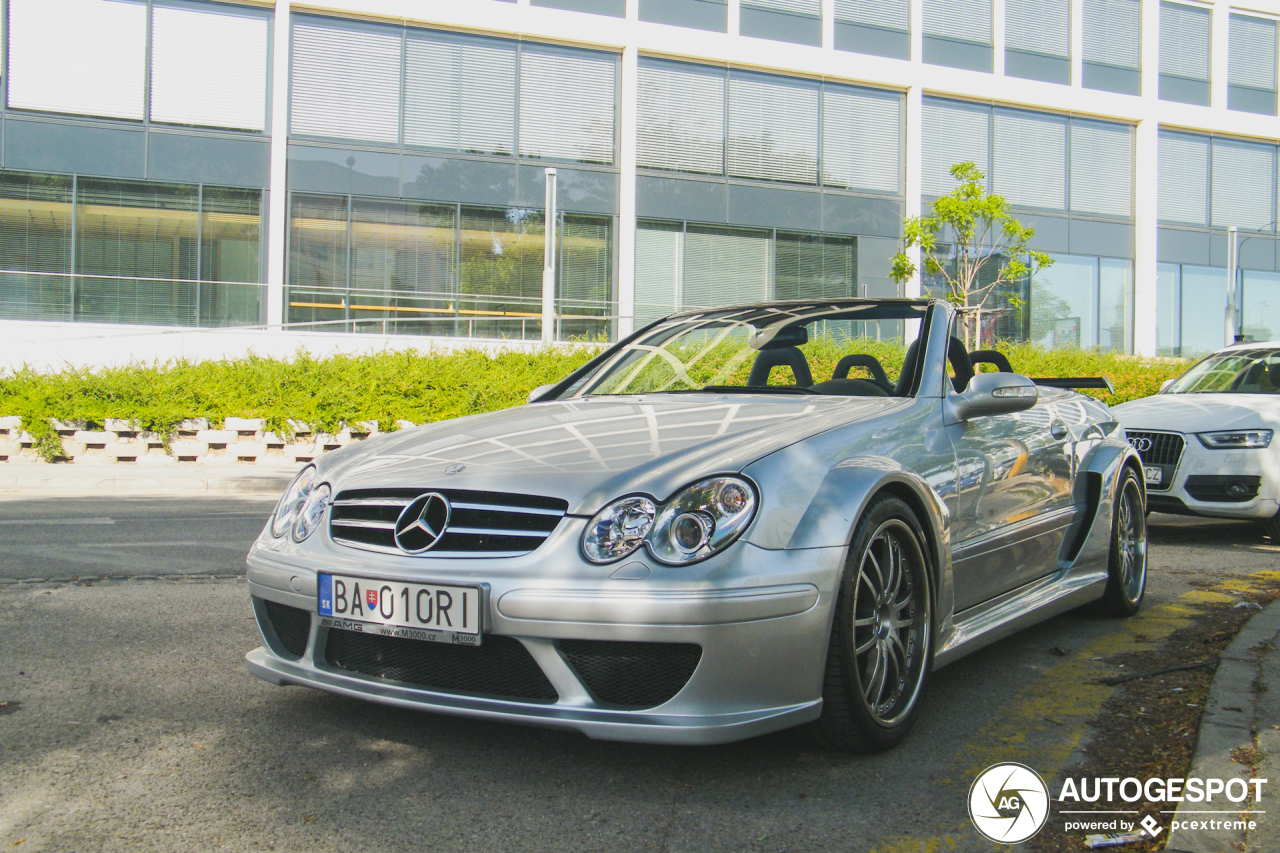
point(1200, 412)
point(590, 451)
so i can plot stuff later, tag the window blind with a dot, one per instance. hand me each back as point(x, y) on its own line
point(1112, 32)
point(402, 246)
point(586, 264)
point(1039, 26)
point(318, 242)
point(84, 57)
point(860, 139)
point(1252, 53)
point(1183, 179)
point(810, 8)
point(659, 265)
point(723, 266)
point(1243, 183)
point(209, 68)
point(967, 20)
point(567, 104)
point(346, 82)
point(680, 118)
point(1184, 41)
point(1023, 138)
point(773, 129)
point(952, 133)
point(460, 95)
point(889, 14)
point(1101, 168)
point(808, 266)
point(35, 222)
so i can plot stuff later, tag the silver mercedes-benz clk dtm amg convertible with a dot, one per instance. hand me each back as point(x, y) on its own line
point(670, 546)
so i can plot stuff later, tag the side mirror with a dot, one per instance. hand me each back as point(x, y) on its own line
point(994, 394)
point(538, 392)
point(1164, 386)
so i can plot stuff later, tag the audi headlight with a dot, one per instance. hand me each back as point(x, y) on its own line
point(699, 521)
point(311, 513)
point(1235, 439)
point(294, 497)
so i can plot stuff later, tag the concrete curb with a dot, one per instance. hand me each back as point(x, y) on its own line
point(1229, 720)
point(143, 480)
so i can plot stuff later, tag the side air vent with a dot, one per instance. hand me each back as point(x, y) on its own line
point(632, 675)
point(481, 524)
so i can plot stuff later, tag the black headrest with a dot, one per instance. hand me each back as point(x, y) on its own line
point(768, 359)
point(958, 356)
point(860, 360)
point(991, 356)
point(908, 369)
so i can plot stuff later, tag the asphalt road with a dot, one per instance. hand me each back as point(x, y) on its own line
point(132, 725)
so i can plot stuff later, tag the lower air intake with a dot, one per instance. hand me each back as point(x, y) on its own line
point(632, 675)
point(501, 667)
point(291, 624)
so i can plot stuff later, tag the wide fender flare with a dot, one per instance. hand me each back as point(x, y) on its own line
point(1097, 479)
point(851, 485)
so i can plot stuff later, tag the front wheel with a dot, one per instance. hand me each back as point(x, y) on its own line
point(881, 646)
point(1127, 566)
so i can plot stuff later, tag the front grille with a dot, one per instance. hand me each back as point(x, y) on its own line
point(481, 524)
point(291, 624)
point(632, 675)
point(501, 667)
point(1165, 449)
point(1213, 487)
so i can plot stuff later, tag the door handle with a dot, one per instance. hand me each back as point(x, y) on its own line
point(1058, 430)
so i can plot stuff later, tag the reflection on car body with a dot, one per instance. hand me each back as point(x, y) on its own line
point(695, 539)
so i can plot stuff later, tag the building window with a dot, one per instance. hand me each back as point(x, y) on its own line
point(1213, 181)
point(797, 21)
point(1084, 302)
point(1001, 142)
point(957, 33)
point(1191, 302)
point(877, 27)
point(613, 8)
point(1113, 46)
point(773, 128)
point(145, 253)
point(406, 267)
point(456, 93)
point(208, 62)
point(698, 14)
point(1184, 54)
point(1037, 37)
point(1251, 69)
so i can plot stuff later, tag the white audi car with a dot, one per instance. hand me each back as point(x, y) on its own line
point(1206, 438)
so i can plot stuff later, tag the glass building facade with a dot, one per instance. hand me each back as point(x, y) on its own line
point(217, 163)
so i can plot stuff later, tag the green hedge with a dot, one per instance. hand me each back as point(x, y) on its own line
point(385, 387)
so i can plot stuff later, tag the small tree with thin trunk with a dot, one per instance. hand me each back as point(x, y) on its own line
point(974, 244)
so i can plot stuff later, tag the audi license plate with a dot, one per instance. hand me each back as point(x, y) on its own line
point(1153, 474)
point(417, 611)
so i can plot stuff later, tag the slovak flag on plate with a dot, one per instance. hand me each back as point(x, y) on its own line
point(371, 599)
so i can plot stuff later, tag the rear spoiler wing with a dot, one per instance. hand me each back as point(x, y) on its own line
point(1099, 382)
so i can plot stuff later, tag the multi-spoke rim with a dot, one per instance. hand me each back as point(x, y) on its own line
point(1131, 542)
point(890, 621)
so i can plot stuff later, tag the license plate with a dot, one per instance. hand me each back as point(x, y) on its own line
point(417, 611)
point(1154, 475)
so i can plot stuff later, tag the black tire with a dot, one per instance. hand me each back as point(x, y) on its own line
point(1271, 527)
point(881, 646)
point(1127, 563)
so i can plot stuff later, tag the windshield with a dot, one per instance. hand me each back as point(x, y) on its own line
point(1235, 372)
point(851, 348)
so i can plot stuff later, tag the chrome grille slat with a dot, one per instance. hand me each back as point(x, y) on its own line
point(482, 524)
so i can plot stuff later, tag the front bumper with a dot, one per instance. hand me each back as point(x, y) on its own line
point(1200, 470)
point(761, 618)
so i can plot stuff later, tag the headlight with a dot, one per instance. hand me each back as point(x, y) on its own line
point(294, 497)
point(699, 521)
point(311, 513)
point(1235, 438)
point(618, 529)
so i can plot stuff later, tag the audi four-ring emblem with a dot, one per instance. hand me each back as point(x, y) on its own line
point(1142, 445)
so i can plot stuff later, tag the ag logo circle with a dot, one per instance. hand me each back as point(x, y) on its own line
point(1008, 803)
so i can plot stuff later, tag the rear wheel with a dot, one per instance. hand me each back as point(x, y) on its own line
point(1127, 567)
point(880, 649)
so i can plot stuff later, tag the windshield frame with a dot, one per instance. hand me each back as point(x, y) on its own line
point(1205, 368)
point(579, 383)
